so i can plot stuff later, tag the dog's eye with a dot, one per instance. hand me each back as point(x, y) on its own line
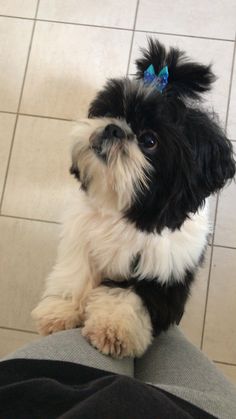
point(148, 140)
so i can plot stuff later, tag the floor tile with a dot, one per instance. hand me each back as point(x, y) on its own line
point(212, 207)
point(229, 371)
point(219, 53)
point(225, 234)
point(39, 184)
point(212, 210)
point(99, 12)
point(7, 122)
point(11, 340)
point(68, 64)
point(220, 330)
point(231, 126)
point(13, 56)
point(22, 8)
point(188, 17)
point(193, 318)
point(27, 253)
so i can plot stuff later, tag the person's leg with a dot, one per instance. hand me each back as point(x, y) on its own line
point(175, 365)
point(71, 346)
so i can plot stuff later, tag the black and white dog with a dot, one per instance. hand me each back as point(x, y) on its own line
point(147, 158)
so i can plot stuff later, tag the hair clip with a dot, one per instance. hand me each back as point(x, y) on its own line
point(160, 81)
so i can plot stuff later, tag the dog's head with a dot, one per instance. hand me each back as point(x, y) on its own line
point(149, 154)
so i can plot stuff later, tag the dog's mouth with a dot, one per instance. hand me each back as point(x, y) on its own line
point(108, 142)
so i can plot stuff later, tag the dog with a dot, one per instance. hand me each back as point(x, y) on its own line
point(147, 158)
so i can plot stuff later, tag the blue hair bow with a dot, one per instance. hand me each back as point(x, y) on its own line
point(160, 81)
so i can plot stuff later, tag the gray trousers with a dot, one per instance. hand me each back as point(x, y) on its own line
point(171, 363)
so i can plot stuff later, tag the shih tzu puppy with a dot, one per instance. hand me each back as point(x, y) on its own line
point(147, 158)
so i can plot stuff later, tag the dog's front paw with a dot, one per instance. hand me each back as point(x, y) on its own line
point(108, 337)
point(54, 314)
point(116, 323)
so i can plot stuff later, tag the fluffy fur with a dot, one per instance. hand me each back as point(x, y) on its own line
point(133, 239)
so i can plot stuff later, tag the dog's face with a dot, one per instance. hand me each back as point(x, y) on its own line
point(148, 154)
point(109, 162)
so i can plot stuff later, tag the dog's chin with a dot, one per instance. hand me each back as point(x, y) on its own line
point(104, 179)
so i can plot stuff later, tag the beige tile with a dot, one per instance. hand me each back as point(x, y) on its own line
point(39, 184)
point(231, 126)
point(27, 253)
point(219, 53)
point(100, 12)
point(212, 210)
point(225, 234)
point(228, 370)
point(22, 8)
point(203, 18)
point(14, 44)
point(193, 318)
point(220, 329)
point(7, 122)
point(11, 340)
point(68, 64)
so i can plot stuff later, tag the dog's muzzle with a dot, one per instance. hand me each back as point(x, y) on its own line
point(102, 142)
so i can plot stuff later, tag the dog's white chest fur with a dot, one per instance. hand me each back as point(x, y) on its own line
point(114, 244)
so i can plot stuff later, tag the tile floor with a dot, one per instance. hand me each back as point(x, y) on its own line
point(54, 55)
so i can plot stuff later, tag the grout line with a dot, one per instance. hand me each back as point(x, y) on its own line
point(45, 117)
point(18, 108)
point(8, 164)
point(209, 275)
point(38, 116)
point(13, 329)
point(132, 38)
point(29, 219)
point(117, 28)
point(185, 36)
point(230, 84)
point(17, 17)
point(224, 363)
point(225, 247)
point(27, 60)
point(90, 25)
point(28, 55)
point(217, 203)
point(62, 22)
point(11, 112)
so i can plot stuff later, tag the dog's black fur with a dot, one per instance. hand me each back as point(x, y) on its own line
point(193, 159)
point(165, 303)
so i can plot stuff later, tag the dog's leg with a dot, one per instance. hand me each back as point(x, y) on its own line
point(116, 322)
point(73, 276)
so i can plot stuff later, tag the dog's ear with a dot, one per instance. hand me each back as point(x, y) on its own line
point(109, 100)
point(213, 157)
point(186, 78)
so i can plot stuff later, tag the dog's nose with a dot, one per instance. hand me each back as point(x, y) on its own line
point(113, 131)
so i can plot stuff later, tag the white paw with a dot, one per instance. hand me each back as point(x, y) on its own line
point(108, 338)
point(53, 314)
point(116, 323)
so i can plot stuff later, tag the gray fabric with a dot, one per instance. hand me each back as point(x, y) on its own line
point(71, 346)
point(175, 365)
point(171, 363)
